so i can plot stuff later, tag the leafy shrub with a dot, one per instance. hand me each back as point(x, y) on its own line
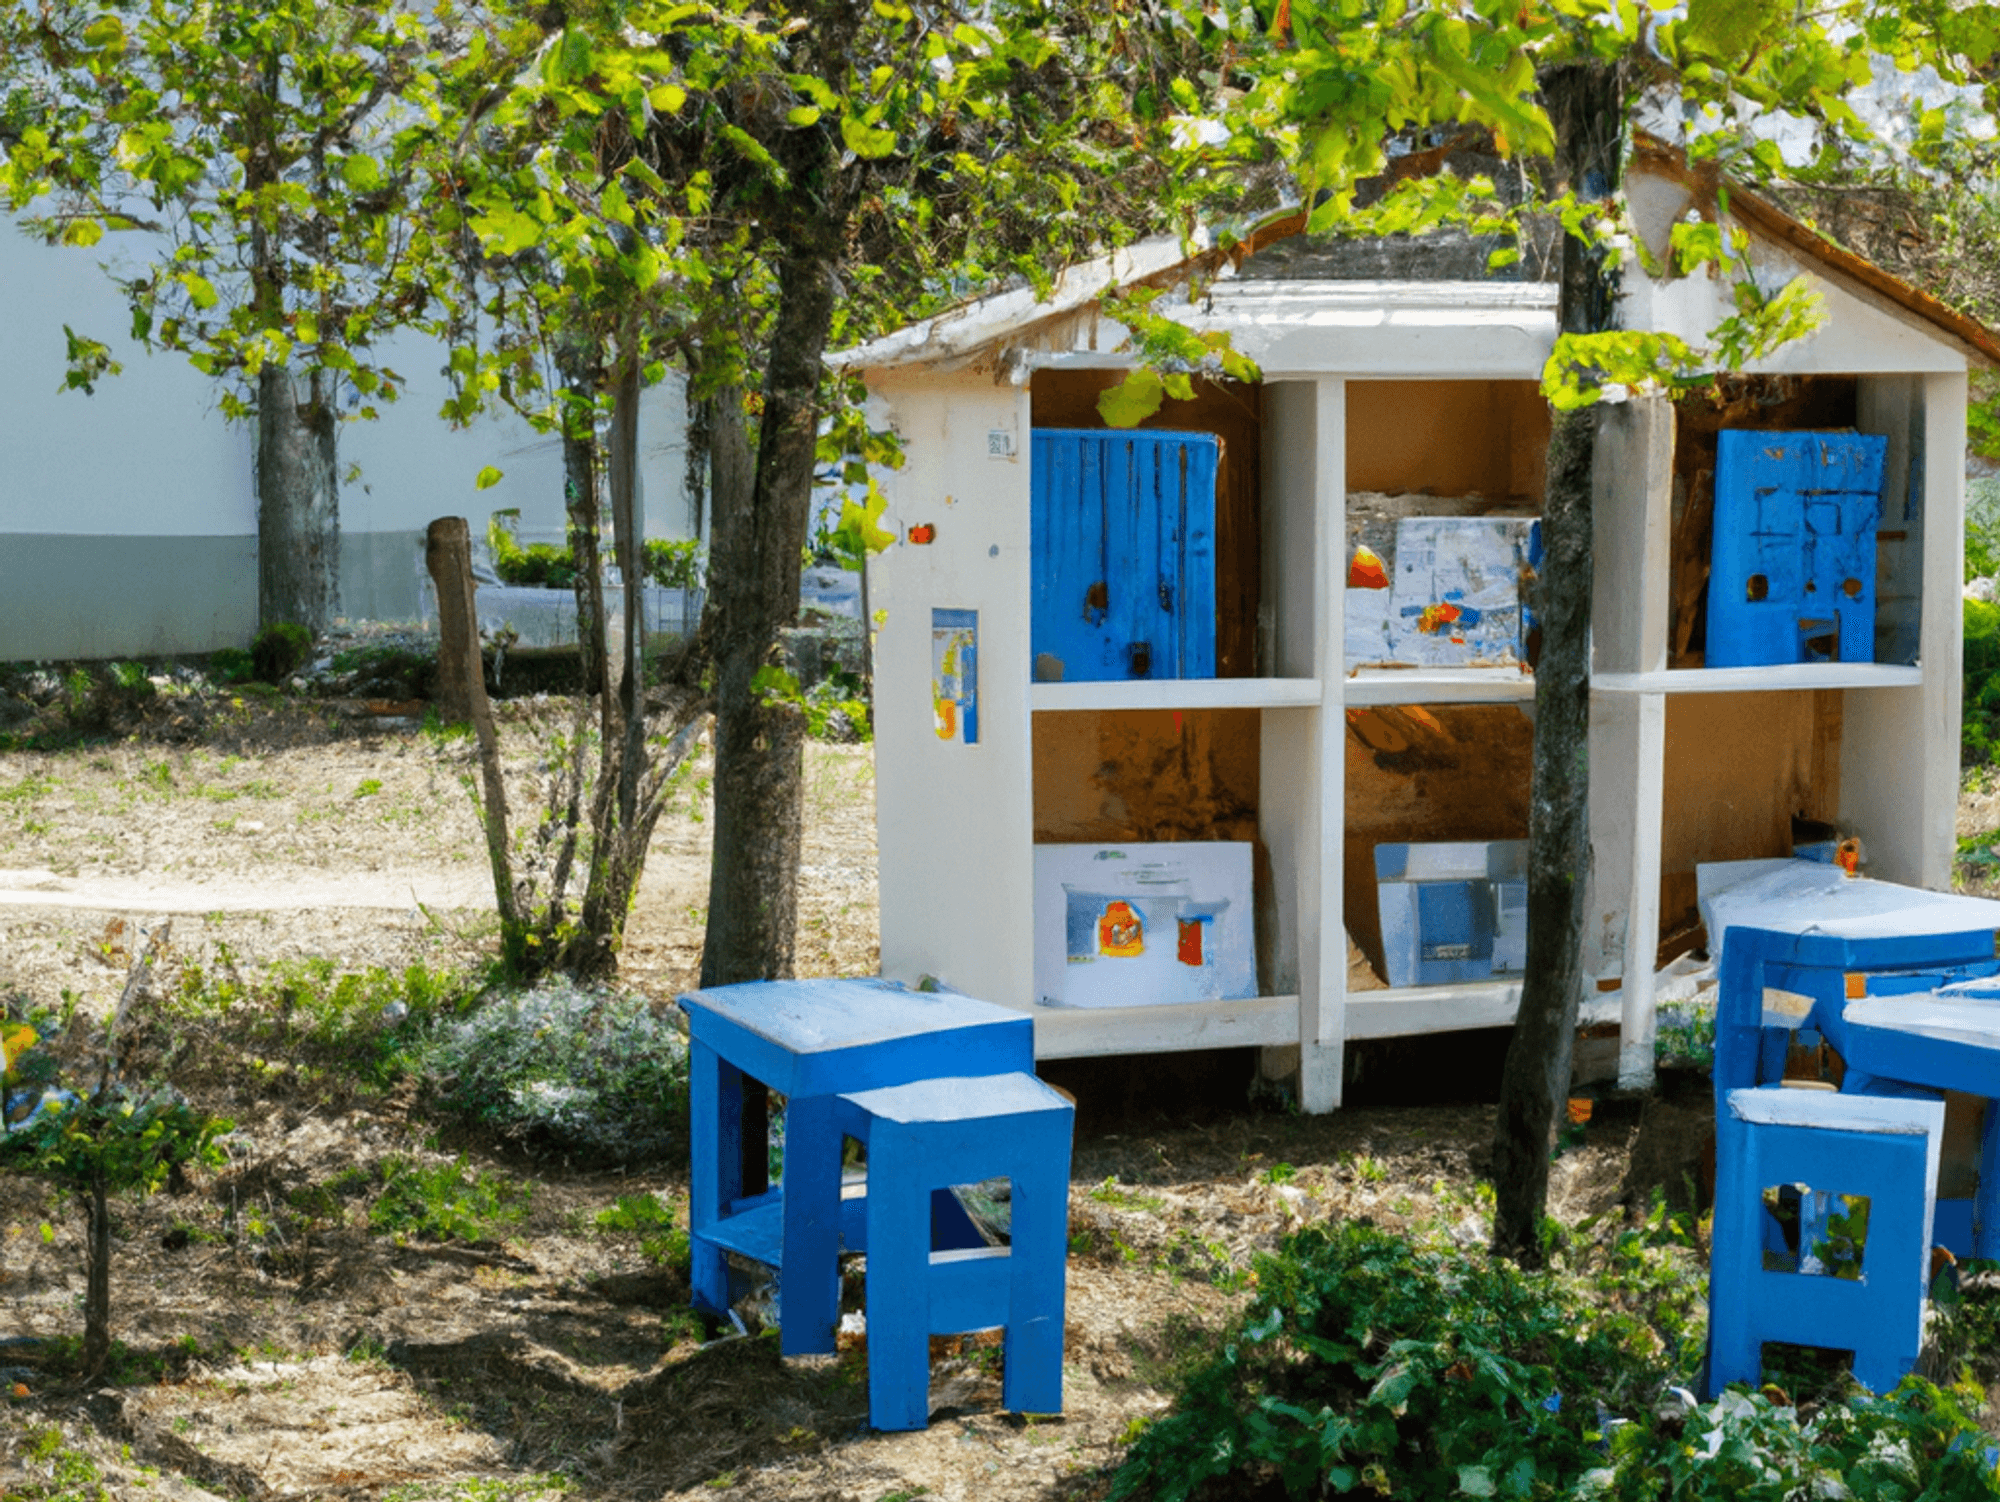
point(444, 1203)
point(231, 665)
point(367, 1025)
point(1980, 713)
point(280, 650)
point(1367, 1361)
point(564, 1067)
point(677, 564)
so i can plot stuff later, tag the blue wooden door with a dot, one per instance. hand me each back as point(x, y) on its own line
point(1793, 563)
point(1123, 538)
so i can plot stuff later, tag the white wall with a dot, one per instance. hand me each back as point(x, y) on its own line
point(128, 517)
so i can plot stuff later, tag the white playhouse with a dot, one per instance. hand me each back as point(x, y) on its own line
point(1217, 732)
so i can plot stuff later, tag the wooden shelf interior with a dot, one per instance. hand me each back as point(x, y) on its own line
point(1419, 773)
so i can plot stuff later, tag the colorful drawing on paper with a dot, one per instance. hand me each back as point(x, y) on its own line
point(955, 675)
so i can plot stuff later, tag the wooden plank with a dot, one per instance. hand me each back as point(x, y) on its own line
point(1122, 776)
point(1451, 438)
point(1182, 693)
point(1375, 686)
point(1782, 676)
point(1088, 1032)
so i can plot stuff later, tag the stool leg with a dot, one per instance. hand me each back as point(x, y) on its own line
point(899, 1257)
point(809, 1286)
point(1986, 1198)
point(715, 1114)
point(1736, 1258)
point(1032, 1380)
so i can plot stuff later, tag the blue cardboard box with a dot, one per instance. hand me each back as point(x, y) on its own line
point(1452, 911)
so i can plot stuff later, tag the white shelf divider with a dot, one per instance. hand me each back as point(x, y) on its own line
point(1178, 693)
point(1085, 1032)
point(1761, 679)
point(1370, 686)
point(1406, 1011)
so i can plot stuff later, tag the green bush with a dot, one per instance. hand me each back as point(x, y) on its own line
point(231, 665)
point(661, 1242)
point(1980, 712)
point(1367, 1361)
point(280, 650)
point(677, 564)
point(445, 1203)
point(596, 1074)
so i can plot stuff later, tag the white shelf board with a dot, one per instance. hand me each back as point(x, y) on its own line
point(1749, 680)
point(1438, 686)
point(1083, 1032)
point(1405, 1011)
point(1178, 693)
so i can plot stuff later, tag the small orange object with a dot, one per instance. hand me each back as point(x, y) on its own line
point(923, 532)
point(1436, 617)
point(1120, 932)
point(18, 1390)
point(1579, 1110)
point(1857, 986)
point(1367, 571)
point(1190, 948)
point(1847, 855)
point(945, 712)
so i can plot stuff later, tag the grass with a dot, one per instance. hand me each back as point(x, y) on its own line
point(443, 1202)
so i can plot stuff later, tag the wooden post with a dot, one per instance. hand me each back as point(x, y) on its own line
point(461, 687)
point(448, 556)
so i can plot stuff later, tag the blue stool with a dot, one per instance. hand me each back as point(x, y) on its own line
point(1840, 1145)
point(924, 1137)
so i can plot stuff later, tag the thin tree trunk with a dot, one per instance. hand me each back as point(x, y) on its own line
point(754, 597)
point(628, 526)
point(298, 506)
point(581, 376)
point(1585, 102)
point(97, 1282)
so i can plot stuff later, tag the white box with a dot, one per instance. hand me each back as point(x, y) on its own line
point(1139, 925)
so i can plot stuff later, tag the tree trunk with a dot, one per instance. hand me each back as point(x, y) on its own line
point(298, 505)
point(753, 598)
point(581, 375)
point(97, 1282)
point(1585, 102)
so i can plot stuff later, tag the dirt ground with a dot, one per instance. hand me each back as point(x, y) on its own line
point(337, 1363)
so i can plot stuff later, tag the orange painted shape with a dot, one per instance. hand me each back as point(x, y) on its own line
point(1121, 935)
point(1436, 617)
point(1190, 950)
point(923, 532)
point(1367, 571)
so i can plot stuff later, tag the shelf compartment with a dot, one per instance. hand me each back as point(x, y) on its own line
point(1178, 693)
point(1799, 675)
point(1087, 1032)
point(1376, 686)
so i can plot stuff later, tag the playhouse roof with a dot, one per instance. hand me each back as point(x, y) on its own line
point(1006, 324)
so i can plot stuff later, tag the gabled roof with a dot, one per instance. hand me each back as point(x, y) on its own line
point(972, 328)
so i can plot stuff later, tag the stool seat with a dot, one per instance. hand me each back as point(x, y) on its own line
point(926, 1136)
point(1830, 1146)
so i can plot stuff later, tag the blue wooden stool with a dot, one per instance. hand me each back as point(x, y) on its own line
point(923, 1137)
point(809, 1040)
point(1840, 1145)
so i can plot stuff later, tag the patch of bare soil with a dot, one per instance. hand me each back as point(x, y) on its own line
point(281, 1347)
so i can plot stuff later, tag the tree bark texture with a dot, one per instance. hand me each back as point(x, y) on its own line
point(462, 690)
point(298, 504)
point(581, 375)
point(753, 599)
point(1585, 102)
point(97, 1281)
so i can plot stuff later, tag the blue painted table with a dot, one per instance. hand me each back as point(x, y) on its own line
point(811, 1041)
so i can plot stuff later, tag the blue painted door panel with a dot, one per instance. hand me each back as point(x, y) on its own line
point(1793, 563)
point(1123, 538)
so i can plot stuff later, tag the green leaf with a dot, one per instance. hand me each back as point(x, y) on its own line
point(105, 34)
point(1475, 1481)
point(1133, 399)
point(82, 233)
point(361, 173)
point(667, 98)
point(200, 290)
point(488, 478)
point(866, 140)
point(803, 114)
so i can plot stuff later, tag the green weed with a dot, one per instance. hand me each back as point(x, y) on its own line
point(661, 1242)
point(442, 1202)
